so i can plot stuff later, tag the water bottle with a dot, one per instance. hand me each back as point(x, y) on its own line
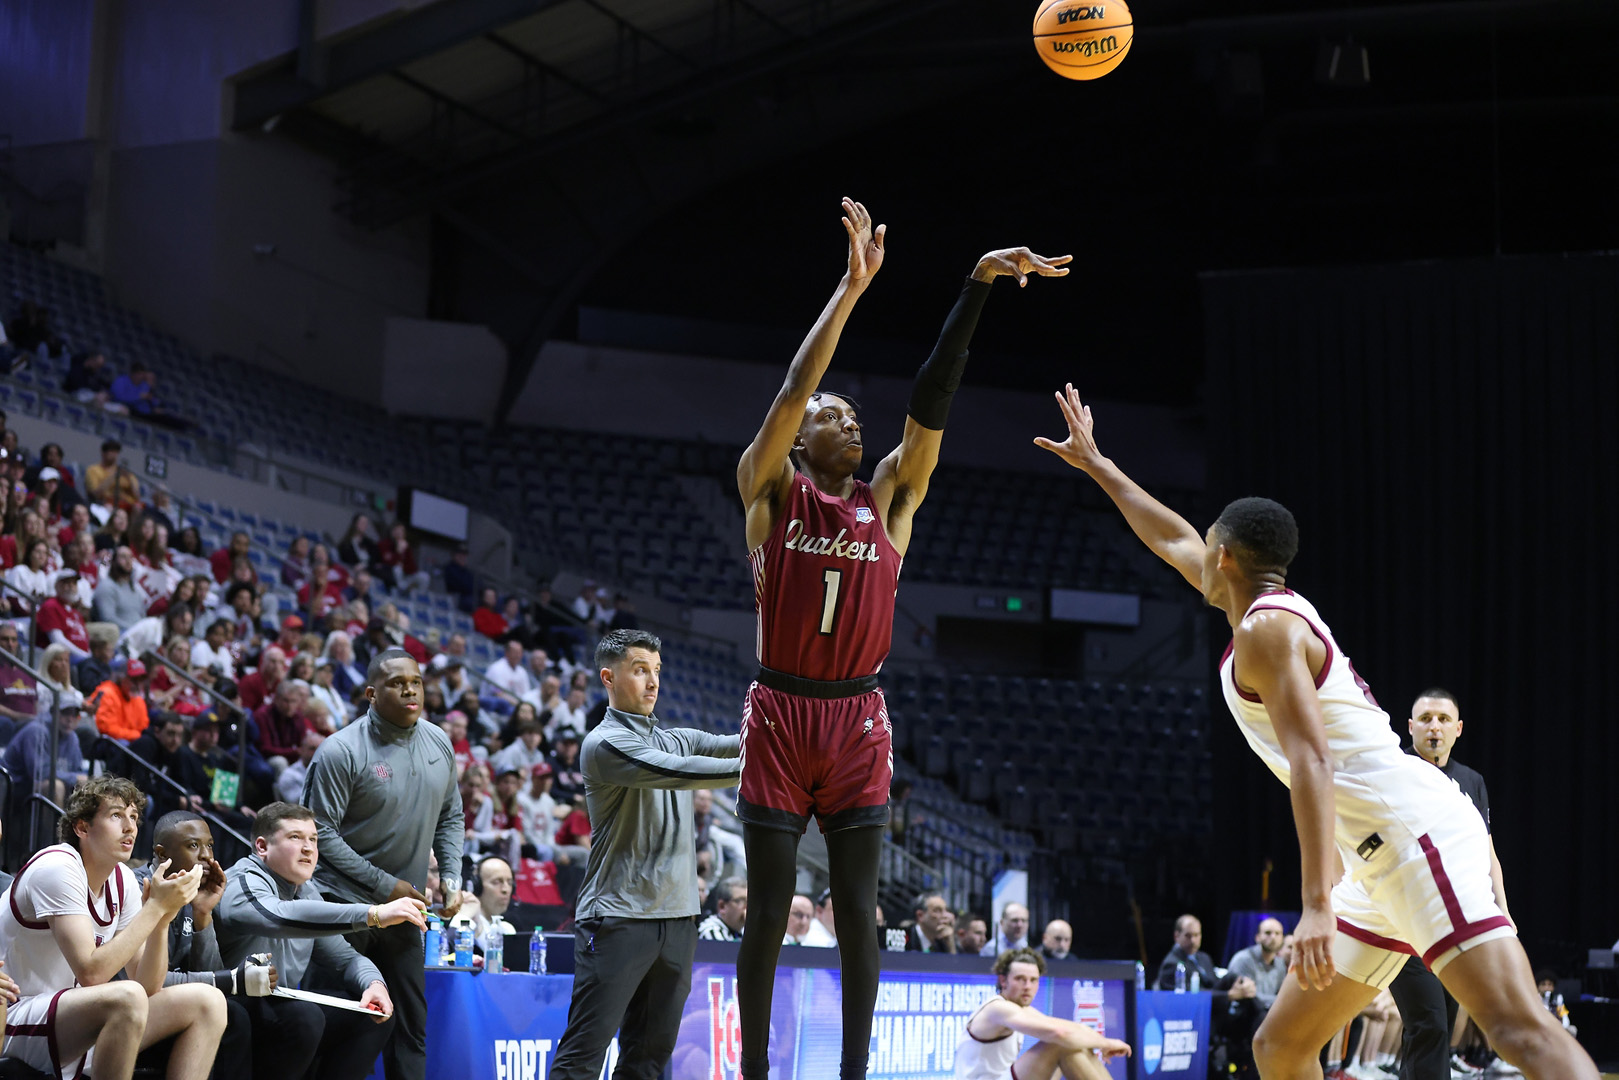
point(536, 953)
point(494, 953)
point(1141, 976)
point(1180, 978)
point(463, 945)
point(1197, 982)
point(433, 942)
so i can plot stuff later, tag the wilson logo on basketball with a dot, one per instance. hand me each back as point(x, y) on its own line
point(1089, 47)
point(1080, 14)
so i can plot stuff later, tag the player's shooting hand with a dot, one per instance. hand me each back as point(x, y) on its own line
point(1312, 948)
point(1020, 262)
point(1079, 449)
point(865, 243)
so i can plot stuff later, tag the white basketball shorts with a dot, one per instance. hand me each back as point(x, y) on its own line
point(1430, 897)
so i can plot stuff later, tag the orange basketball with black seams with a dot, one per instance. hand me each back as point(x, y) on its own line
point(1083, 39)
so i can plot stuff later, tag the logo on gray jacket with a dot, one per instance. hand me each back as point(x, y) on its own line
point(382, 771)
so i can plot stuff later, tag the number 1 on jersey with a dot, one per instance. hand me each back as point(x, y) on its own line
point(829, 603)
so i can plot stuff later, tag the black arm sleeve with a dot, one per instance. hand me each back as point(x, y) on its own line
point(937, 381)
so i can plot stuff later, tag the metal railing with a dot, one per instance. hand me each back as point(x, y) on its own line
point(238, 726)
point(32, 605)
point(104, 745)
point(55, 746)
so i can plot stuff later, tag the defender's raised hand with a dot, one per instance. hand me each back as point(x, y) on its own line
point(1020, 262)
point(1079, 449)
point(865, 243)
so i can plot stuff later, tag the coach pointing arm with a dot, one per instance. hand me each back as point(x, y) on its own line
point(625, 759)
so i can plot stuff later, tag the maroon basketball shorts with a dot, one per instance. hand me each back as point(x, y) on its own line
point(801, 756)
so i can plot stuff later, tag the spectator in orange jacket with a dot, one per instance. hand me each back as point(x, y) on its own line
point(121, 701)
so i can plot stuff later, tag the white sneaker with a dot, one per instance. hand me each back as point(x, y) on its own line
point(1503, 1067)
point(1459, 1067)
point(1362, 1071)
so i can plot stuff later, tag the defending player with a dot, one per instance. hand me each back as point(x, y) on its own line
point(988, 1049)
point(826, 551)
point(1417, 855)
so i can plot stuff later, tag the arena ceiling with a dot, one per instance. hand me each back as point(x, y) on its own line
point(574, 151)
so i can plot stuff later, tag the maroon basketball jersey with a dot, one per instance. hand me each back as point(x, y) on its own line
point(824, 585)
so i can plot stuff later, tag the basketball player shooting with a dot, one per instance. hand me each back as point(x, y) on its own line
point(826, 551)
point(1416, 852)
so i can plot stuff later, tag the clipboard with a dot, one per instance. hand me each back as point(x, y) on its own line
point(325, 999)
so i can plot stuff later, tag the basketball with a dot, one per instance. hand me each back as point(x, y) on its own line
point(1082, 39)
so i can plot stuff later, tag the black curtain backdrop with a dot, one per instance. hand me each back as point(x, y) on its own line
point(1445, 434)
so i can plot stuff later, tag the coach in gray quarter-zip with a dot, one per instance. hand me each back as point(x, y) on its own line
point(634, 934)
point(383, 790)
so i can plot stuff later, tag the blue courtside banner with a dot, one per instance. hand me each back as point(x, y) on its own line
point(508, 1027)
point(1172, 1035)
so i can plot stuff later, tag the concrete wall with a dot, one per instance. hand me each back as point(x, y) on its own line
point(442, 369)
point(724, 401)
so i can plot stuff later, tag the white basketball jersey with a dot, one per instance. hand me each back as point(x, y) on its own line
point(53, 882)
point(985, 1059)
point(1380, 791)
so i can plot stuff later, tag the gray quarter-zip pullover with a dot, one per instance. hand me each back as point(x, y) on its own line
point(263, 912)
point(638, 784)
point(383, 797)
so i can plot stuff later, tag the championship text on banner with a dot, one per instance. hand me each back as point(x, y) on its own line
point(1172, 1035)
point(507, 1027)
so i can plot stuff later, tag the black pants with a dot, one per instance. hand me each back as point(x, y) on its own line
point(1429, 1014)
point(292, 1037)
point(631, 978)
point(397, 952)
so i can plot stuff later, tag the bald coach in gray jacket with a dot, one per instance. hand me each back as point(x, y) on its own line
point(634, 934)
point(384, 794)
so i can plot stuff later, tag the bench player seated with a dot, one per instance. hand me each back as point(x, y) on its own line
point(76, 919)
point(990, 1050)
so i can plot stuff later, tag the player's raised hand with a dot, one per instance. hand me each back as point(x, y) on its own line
point(865, 242)
point(1020, 262)
point(1312, 948)
point(1079, 449)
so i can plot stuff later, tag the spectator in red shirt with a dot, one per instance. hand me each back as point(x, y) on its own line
point(485, 619)
point(321, 569)
point(398, 556)
point(59, 621)
point(281, 725)
point(220, 560)
point(574, 831)
point(78, 523)
point(257, 687)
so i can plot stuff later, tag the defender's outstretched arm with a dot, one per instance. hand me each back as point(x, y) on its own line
point(764, 466)
point(1169, 536)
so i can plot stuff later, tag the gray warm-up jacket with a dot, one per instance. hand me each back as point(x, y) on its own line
point(638, 784)
point(263, 912)
point(384, 797)
point(193, 953)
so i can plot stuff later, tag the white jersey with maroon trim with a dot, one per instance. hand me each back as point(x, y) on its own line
point(1382, 794)
point(986, 1059)
point(53, 882)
